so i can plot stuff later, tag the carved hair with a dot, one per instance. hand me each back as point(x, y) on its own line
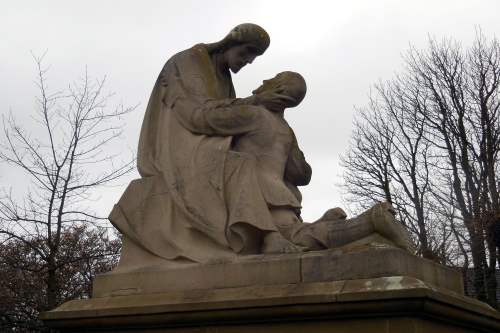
point(246, 33)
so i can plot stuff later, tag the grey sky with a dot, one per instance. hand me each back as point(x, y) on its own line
point(340, 47)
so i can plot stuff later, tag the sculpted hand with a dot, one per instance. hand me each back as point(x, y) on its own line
point(273, 99)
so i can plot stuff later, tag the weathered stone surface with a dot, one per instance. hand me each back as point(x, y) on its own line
point(218, 189)
point(387, 304)
point(256, 270)
point(319, 266)
point(220, 174)
point(377, 262)
point(351, 290)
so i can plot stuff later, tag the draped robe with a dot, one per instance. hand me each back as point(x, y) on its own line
point(196, 199)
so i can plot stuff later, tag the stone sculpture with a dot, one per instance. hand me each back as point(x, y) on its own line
point(219, 182)
point(219, 174)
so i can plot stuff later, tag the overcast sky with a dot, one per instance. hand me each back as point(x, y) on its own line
point(340, 47)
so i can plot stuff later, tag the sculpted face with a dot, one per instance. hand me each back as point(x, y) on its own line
point(289, 84)
point(239, 56)
point(268, 85)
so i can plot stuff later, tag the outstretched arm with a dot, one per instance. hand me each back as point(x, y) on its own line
point(217, 117)
point(225, 117)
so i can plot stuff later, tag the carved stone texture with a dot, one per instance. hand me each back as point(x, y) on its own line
point(213, 240)
point(346, 263)
point(326, 291)
point(220, 174)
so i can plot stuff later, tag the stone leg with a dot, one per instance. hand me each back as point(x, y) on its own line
point(274, 243)
point(296, 231)
point(325, 233)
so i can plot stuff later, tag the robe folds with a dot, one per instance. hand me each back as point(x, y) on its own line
point(196, 199)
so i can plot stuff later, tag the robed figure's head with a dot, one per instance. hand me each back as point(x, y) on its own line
point(241, 46)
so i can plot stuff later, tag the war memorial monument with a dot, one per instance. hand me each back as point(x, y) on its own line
point(213, 240)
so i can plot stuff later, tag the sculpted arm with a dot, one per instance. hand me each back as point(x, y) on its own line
point(190, 95)
point(297, 171)
point(217, 117)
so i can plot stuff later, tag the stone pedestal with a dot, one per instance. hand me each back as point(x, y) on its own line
point(377, 289)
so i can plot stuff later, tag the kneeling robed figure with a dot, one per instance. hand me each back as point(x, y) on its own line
point(220, 174)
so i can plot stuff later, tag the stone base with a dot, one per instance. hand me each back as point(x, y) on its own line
point(313, 299)
point(319, 266)
point(390, 305)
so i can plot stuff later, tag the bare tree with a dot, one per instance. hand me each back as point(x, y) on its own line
point(65, 165)
point(440, 119)
point(464, 88)
point(391, 160)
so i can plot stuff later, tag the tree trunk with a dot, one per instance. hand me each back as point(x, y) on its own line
point(491, 279)
point(51, 284)
point(479, 262)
